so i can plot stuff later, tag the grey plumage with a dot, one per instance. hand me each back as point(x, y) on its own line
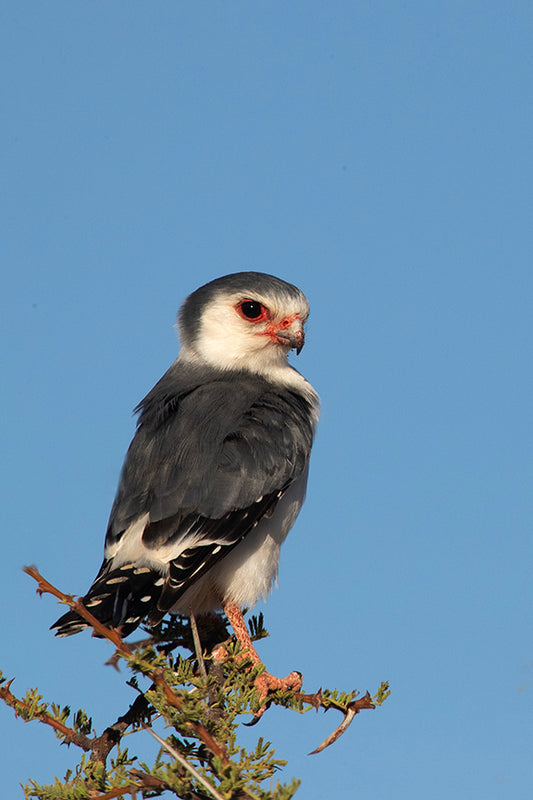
point(215, 451)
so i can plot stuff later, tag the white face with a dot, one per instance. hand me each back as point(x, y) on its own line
point(253, 332)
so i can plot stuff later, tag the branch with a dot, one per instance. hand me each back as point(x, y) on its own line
point(196, 705)
point(24, 710)
point(146, 782)
point(113, 635)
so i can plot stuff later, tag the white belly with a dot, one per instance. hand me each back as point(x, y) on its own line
point(249, 570)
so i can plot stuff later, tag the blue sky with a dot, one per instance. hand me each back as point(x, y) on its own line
point(378, 155)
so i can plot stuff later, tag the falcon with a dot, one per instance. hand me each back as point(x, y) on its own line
point(216, 473)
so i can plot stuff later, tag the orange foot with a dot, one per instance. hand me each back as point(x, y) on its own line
point(265, 682)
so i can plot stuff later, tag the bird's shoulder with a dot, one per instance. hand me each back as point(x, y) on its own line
point(215, 402)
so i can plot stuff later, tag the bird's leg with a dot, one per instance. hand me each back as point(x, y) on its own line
point(265, 682)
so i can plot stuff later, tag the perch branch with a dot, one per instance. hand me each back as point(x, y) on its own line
point(113, 635)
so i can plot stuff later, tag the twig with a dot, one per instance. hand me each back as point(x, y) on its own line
point(197, 645)
point(112, 634)
point(102, 745)
point(183, 761)
point(119, 792)
point(71, 736)
point(145, 782)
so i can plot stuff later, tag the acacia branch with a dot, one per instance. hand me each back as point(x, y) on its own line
point(113, 635)
point(24, 709)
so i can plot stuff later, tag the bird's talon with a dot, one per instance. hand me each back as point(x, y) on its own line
point(266, 683)
point(256, 717)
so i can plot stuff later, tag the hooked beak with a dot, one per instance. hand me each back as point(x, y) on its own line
point(292, 336)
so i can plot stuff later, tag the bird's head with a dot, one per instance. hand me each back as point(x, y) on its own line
point(247, 320)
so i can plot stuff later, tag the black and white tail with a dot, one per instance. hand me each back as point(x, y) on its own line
point(123, 597)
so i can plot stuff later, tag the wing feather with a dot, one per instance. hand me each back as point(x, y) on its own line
point(212, 455)
point(207, 450)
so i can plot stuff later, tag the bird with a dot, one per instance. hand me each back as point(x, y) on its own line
point(216, 472)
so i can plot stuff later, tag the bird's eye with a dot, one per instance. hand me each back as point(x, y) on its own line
point(252, 310)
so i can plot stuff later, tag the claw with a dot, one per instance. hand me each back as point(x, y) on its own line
point(256, 717)
point(266, 683)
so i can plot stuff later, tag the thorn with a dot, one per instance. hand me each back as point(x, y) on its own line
point(113, 661)
point(337, 733)
point(354, 708)
point(314, 700)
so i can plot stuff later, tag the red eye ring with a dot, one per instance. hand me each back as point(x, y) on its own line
point(252, 310)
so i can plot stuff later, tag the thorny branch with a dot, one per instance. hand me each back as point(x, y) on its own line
point(98, 746)
point(142, 709)
point(24, 709)
point(113, 635)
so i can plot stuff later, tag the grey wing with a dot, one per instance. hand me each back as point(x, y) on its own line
point(203, 469)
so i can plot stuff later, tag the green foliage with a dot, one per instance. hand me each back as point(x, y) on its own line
point(257, 627)
point(382, 693)
point(197, 709)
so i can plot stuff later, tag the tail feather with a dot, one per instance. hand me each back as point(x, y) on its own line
point(121, 597)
